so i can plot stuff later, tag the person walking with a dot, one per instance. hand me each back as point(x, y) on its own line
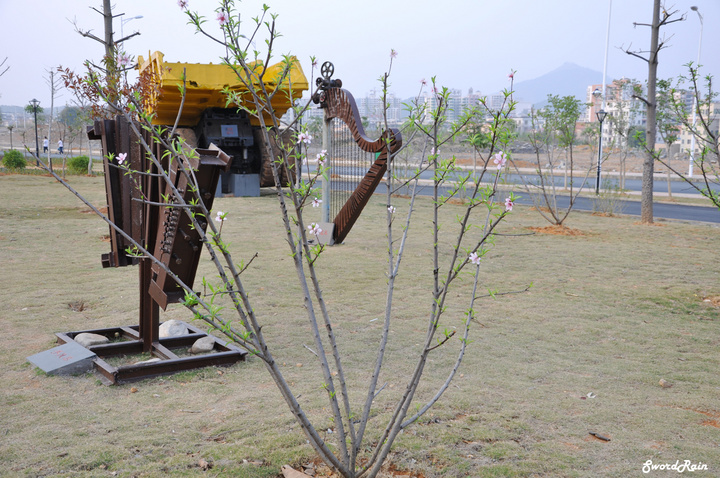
point(60, 146)
point(46, 143)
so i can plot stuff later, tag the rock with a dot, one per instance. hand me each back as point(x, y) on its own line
point(203, 345)
point(289, 472)
point(152, 360)
point(88, 340)
point(172, 328)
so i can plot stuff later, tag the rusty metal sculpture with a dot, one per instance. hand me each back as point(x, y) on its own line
point(366, 156)
point(139, 206)
point(135, 206)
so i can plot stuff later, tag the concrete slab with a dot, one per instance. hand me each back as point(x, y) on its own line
point(67, 359)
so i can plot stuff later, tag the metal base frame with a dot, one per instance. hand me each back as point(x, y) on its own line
point(224, 354)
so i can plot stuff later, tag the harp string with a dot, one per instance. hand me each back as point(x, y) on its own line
point(348, 164)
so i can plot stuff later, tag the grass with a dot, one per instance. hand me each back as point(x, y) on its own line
point(614, 308)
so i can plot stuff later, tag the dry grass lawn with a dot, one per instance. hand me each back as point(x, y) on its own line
point(615, 308)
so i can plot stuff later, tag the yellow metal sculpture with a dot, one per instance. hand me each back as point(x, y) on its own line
point(207, 85)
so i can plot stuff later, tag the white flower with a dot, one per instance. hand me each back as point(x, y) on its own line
point(222, 18)
point(124, 60)
point(314, 229)
point(121, 158)
point(500, 159)
point(316, 202)
point(322, 157)
point(220, 216)
point(391, 209)
point(304, 138)
point(474, 258)
point(509, 204)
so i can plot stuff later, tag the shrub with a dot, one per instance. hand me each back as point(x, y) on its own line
point(78, 165)
point(14, 159)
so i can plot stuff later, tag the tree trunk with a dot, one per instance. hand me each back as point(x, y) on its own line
point(646, 203)
point(113, 78)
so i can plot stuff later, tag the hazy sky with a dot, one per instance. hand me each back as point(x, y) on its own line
point(464, 43)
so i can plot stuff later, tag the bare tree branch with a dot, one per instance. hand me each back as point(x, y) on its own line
point(6, 68)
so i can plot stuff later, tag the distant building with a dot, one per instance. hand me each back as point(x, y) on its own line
point(712, 114)
point(624, 112)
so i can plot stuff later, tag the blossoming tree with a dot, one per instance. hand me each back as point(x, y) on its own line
point(357, 449)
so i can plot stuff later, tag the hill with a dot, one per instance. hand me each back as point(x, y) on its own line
point(567, 80)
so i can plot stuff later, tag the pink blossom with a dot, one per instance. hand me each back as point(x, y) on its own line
point(316, 202)
point(393, 54)
point(423, 82)
point(182, 4)
point(321, 157)
point(124, 60)
point(509, 204)
point(500, 159)
point(315, 229)
point(391, 209)
point(220, 216)
point(223, 18)
point(121, 158)
point(511, 75)
point(474, 258)
point(304, 138)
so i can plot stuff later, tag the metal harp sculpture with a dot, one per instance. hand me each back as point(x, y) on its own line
point(361, 160)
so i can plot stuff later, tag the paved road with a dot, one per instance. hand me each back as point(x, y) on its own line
point(629, 207)
point(660, 209)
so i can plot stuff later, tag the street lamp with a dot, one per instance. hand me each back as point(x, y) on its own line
point(697, 65)
point(124, 21)
point(603, 94)
point(601, 117)
point(35, 103)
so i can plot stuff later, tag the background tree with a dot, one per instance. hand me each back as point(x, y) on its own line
point(646, 202)
point(72, 121)
point(705, 129)
point(478, 137)
point(55, 84)
point(668, 128)
point(622, 121)
point(552, 139)
point(10, 128)
point(114, 63)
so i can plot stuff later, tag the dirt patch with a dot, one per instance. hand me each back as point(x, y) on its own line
point(87, 210)
point(389, 470)
point(656, 224)
point(557, 230)
point(714, 301)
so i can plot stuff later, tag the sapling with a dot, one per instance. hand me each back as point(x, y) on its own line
point(553, 133)
point(701, 122)
point(225, 303)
